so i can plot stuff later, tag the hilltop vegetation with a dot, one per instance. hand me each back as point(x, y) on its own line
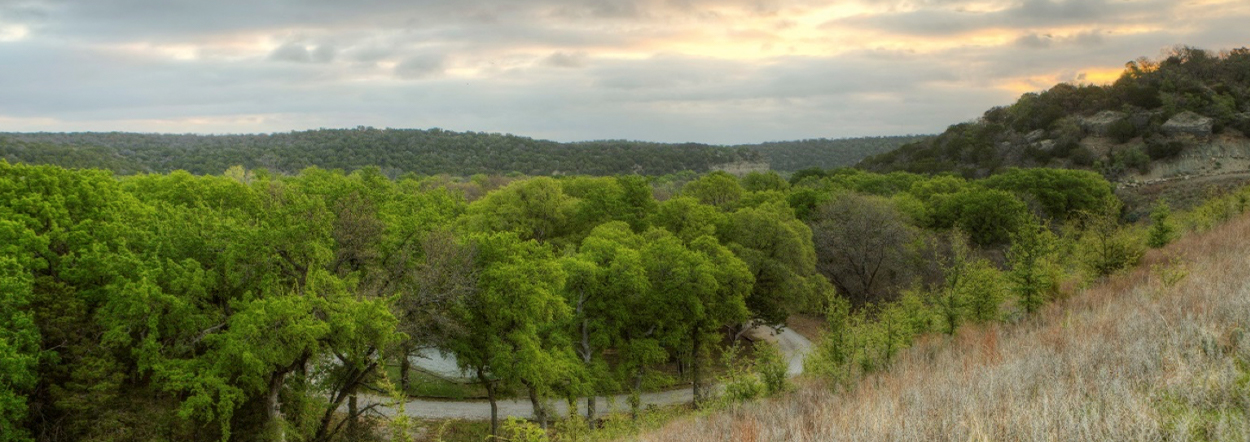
point(423, 152)
point(824, 153)
point(1117, 129)
point(394, 151)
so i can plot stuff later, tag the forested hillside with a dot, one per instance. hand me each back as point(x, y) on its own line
point(825, 153)
point(424, 152)
point(395, 151)
point(1190, 103)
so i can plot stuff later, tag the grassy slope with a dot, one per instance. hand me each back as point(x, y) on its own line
point(1130, 359)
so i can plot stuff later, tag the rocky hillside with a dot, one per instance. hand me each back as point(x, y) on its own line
point(1183, 117)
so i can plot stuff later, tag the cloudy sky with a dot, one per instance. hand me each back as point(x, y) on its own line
point(715, 71)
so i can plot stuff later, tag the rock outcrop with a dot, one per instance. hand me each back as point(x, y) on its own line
point(1188, 123)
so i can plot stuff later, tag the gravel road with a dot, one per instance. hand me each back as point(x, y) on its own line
point(793, 345)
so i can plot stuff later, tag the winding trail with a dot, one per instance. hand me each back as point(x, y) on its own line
point(793, 345)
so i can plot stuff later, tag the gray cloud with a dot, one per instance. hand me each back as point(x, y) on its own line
point(546, 68)
point(421, 66)
point(566, 60)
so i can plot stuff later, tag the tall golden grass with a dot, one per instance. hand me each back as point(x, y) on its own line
point(1144, 355)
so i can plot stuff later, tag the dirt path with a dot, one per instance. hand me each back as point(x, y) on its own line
point(793, 345)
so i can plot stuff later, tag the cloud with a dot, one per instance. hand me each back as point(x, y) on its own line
point(563, 59)
point(421, 66)
point(721, 71)
point(291, 52)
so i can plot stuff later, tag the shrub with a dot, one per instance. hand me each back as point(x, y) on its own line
point(771, 367)
point(1082, 156)
point(1122, 130)
point(1159, 150)
point(1161, 229)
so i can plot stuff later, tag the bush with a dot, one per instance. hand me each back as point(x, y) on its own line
point(1159, 150)
point(771, 367)
point(1082, 156)
point(1161, 229)
point(1122, 130)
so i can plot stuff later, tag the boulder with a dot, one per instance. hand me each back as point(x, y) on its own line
point(1188, 123)
point(1100, 123)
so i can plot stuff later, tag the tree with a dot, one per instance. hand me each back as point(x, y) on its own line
point(607, 287)
point(701, 289)
point(862, 246)
point(1106, 248)
point(718, 189)
point(778, 249)
point(1161, 229)
point(505, 320)
point(534, 209)
point(1031, 245)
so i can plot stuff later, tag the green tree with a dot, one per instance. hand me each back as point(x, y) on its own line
point(1161, 229)
point(1031, 245)
point(505, 320)
point(718, 189)
point(778, 249)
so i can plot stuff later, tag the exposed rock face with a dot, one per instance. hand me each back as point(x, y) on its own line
point(1100, 123)
point(1188, 123)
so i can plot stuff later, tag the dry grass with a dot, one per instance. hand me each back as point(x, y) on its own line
point(1130, 359)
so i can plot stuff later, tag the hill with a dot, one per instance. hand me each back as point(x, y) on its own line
point(424, 152)
point(395, 151)
point(1140, 357)
point(1183, 115)
point(825, 153)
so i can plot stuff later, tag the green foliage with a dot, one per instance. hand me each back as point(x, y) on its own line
point(984, 292)
point(1106, 247)
point(988, 216)
point(1162, 150)
point(1190, 79)
point(791, 156)
point(1059, 193)
point(19, 349)
point(1161, 229)
point(520, 430)
point(738, 382)
point(771, 367)
point(758, 182)
point(1031, 246)
point(717, 189)
point(1122, 130)
point(394, 151)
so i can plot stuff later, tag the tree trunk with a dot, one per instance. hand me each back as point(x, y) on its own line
point(540, 412)
point(404, 366)
point(587, 355)
point(694, 367)
point(590, 411)
point(276, 420)
point(494, 407)
point(353, 414)
point(635, 396)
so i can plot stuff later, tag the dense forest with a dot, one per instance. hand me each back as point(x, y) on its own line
point(423, 152)
point(395, 151)
point(251, 306)
point(825, 153)
point(1210, 91)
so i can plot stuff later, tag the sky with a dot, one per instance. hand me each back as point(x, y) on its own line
point(711, 71)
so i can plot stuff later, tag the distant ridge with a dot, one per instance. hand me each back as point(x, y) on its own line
point(424, 152)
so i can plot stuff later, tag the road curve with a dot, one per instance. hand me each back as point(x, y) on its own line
point(793, 345)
